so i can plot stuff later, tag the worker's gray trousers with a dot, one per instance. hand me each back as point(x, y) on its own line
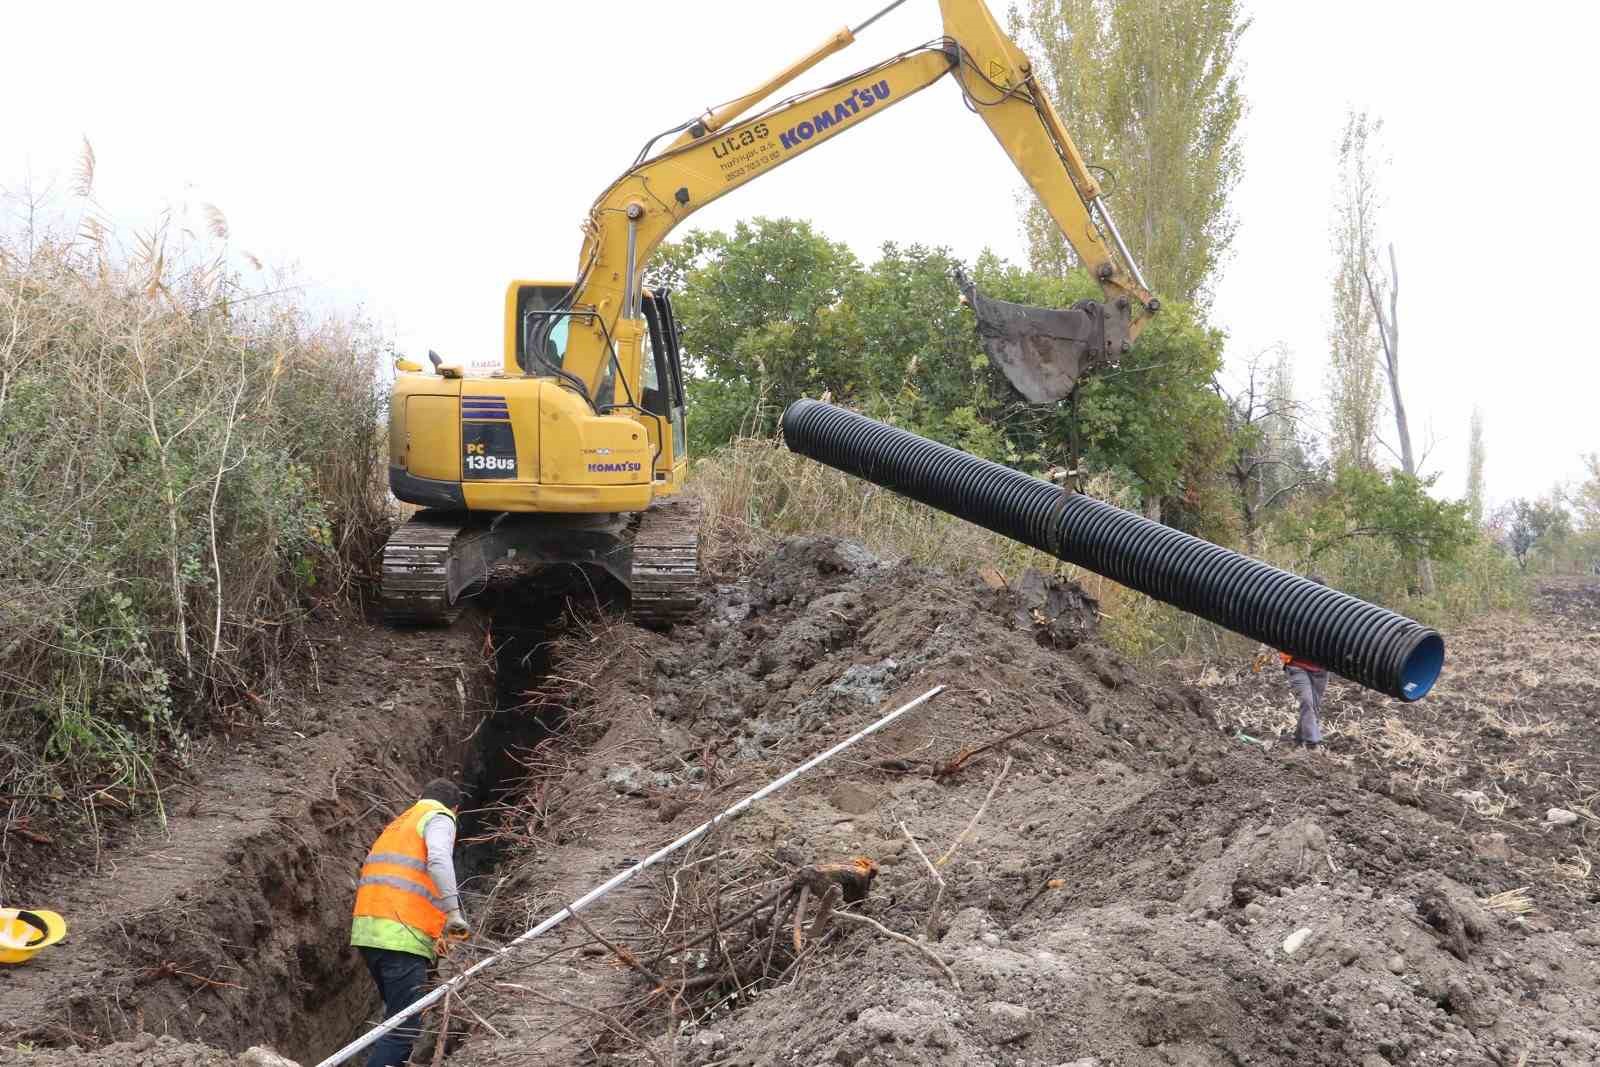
point(1308, 688)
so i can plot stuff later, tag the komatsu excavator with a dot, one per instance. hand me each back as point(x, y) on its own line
point(570, 457)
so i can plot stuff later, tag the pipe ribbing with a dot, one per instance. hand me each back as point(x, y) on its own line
point(1357, 640)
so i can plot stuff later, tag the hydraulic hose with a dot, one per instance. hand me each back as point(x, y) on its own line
point(1356, 640)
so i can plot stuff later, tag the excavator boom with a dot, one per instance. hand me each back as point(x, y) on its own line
point(563, 466)
point(727, 148)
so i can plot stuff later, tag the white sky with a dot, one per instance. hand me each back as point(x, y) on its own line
point(412, 158)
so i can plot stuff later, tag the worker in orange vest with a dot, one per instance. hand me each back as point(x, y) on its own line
point(406, 900)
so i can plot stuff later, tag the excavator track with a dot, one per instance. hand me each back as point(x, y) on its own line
point(665, 583)
point(416, 571)
point(435, 560)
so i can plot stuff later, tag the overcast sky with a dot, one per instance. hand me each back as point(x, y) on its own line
point(411, 159)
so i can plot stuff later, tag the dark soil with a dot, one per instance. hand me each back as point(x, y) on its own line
point(1129, 894)
point(230, 925)
point(1149, 884)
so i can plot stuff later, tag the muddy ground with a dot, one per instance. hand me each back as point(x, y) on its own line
point(229, 925)
point(1128, 875)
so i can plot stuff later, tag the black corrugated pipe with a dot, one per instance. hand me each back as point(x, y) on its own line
point(1355, 639)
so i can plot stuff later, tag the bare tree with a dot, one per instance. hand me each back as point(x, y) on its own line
point(1389, 335)
point(1268, 463)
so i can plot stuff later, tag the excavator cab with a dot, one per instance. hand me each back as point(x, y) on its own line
point(657, 399)
point(541, 347)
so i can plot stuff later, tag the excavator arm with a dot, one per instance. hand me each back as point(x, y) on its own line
point(562, 465)
point(1042, 350)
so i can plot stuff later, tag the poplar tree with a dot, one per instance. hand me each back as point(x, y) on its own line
point(1355, 388)
point(1150, 92)
point(1475, 458)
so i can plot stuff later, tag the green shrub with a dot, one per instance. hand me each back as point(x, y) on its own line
point(184, 465)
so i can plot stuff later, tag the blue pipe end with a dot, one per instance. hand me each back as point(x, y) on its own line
point(1421, 668)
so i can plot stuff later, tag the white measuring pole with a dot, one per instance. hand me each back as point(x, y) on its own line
point(599, 891)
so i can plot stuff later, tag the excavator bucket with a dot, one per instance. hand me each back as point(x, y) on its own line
point(1044, 352)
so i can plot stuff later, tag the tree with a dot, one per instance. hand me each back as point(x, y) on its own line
point(1535, 525)
point(892, 339)
point(920, 364)
point(759, 310)
point(1586, 497)
point(1150, 92)
point(1285, 428)
point(1585, 501)
point(1153, 418)
point(1267, 462)
point(1355, 394)
point(1389, 506)
point(1389, 335)
point(1475, 460)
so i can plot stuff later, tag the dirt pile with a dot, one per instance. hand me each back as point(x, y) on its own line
point(147, 1050)
point(1125, 875)
point(1144, 887)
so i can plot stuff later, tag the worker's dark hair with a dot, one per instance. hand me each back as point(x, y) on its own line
point(1319, 579)
point(444, 791)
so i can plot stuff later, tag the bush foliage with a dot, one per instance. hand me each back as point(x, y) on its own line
point(775, 311)
point(183, 464)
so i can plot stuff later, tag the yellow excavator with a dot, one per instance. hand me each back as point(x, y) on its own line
point(569, 459)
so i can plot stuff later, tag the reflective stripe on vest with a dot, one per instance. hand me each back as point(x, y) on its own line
point(397, 902)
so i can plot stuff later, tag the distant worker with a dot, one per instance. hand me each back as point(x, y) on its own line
point(406, 900)
point(1309, 681)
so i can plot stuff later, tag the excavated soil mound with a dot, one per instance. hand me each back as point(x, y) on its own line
point(1129, 875)
point(1144, 886)
point(147, 1050)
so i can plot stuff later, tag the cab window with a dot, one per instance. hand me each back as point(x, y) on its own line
point(551, 330)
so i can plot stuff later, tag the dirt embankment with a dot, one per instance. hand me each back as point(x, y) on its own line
point(1137, 886)
point(1143, 887)
point(230, 925)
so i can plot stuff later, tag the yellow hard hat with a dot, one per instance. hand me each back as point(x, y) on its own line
point(24, 932)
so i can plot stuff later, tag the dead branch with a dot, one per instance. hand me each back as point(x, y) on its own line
point(702, 938)
point(468, 1008)
point(967, 754)
point(919, 946)
point(799, 913)
point(605, 1020)
point(825, 913)
point(622, 954)
point(444, 1029)
point(931, 925)
point(962, 837)
point(169, 969)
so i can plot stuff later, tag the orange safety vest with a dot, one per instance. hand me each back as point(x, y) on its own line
point(1291, 660)
point(397, 904)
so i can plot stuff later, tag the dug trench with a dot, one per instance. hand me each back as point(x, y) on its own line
point(1125, 881)
point(228, 927)
point(1127, 878)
